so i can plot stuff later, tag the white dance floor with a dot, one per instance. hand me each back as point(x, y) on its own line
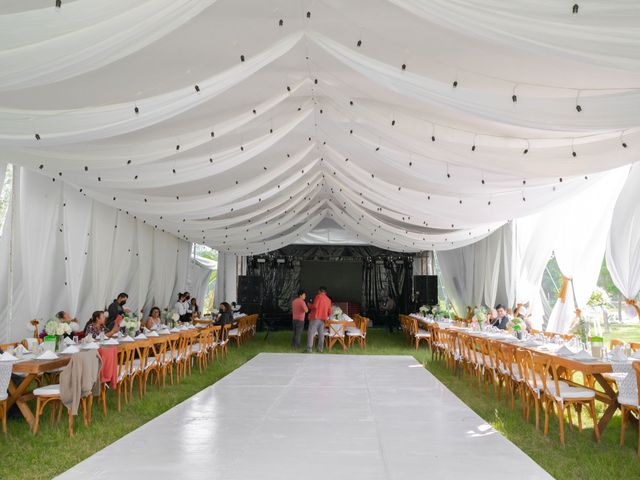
point(296, 416)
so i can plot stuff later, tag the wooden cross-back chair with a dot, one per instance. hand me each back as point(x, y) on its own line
point(562, 396)
point(336, 334)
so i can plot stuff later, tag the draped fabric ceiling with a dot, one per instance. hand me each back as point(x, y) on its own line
point(413, 124)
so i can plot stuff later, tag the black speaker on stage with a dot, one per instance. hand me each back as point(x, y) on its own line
point(426, 289)
point(249, 290)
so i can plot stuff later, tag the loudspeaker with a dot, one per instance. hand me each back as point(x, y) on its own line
point(249, 290)
point(426, 289)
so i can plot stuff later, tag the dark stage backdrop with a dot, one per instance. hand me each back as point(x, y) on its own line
point(381, 272)
point(343, 279)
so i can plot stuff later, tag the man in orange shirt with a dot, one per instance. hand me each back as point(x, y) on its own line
point(298, 311)
point(320, 312)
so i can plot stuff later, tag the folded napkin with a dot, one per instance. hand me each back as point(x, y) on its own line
point(636, 354)
point(91, 346)
point(564, 351)
point(20, 349)
point(174, 330)
point(152, 334)
point(71, 349)
point(111, 341)
point(102, 336)
point(88, 339)
point(583, 355)
point(47, 355)
point(67, 341)
point(617, 355)
point(7, 357)
point(141, 336)
point(126, 339)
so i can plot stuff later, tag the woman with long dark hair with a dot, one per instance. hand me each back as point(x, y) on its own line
point(153, 322)
point(226, 314)
point(96, 326)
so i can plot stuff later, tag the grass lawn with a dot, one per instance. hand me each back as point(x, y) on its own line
point(23, 456)
point(628, 332)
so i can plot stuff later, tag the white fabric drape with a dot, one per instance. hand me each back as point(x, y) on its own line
point(90, 35)
point(63, 251)
point(226, 289)
point(608, 35)
point(581, 229)
point(475, 275)
point(623, 242)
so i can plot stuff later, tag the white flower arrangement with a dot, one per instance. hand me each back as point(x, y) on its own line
point(479, 315)
point(423, 310)
point(55, 327)
point(175, 317)
point(337, 313)
point(131, 323)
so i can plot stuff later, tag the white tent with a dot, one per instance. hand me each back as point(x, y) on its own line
point(411, 124)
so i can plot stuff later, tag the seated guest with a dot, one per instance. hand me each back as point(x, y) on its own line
point(153, 322)
point(503, 319)
point(97, 326)
point(491, 316)
point(66, 318)
point(195, 310)
point(117, 310)
point(226, 314)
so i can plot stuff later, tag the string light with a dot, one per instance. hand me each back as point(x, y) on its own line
point(578, 106)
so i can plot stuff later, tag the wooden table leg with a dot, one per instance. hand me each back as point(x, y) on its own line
point(17, 396)
point(612, 406)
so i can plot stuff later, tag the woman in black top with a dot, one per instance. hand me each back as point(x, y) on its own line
point(226, 314)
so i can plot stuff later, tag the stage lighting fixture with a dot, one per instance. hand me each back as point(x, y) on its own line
point(262, 260)
point(280, 260)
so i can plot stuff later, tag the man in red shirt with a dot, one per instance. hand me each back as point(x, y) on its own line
point(320, 312)
point(298, 311)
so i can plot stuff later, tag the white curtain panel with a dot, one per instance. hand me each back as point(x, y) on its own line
point(581, 229)
point(474, 275)
point(60, 250)
point(623, 242)
point(198, 281)
point(226, 288)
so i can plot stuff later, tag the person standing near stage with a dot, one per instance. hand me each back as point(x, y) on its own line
point(320, 312)
point(298, 310)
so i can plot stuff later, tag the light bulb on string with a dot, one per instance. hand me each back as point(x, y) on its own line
point(622, 142)
point(578, 106)
point(526, 150)
point(514, 97)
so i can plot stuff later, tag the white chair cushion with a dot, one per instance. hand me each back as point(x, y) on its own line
point(47, 391)
point(354, 332)
point(196, 348)
point(628, 401)
point(422, 335)
point(568, 392)
point(233, 332)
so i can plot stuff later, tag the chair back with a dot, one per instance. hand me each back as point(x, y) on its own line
point(615, 343)
point(5, 376)
point(336, 329)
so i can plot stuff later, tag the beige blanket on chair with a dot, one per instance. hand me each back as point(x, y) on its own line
point(80, 378)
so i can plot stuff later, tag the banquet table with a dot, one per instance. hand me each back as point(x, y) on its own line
point(595, 368)
point(30, 368)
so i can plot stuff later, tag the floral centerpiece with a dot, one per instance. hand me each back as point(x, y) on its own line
point(55, 328)
point(479, 316)
point(517, 325)
point(424, 310)
point(337, 313)
point(131, 324)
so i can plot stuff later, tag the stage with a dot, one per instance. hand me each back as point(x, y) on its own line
point(293, 416)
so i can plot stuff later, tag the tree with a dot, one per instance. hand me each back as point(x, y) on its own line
point(600, 298)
